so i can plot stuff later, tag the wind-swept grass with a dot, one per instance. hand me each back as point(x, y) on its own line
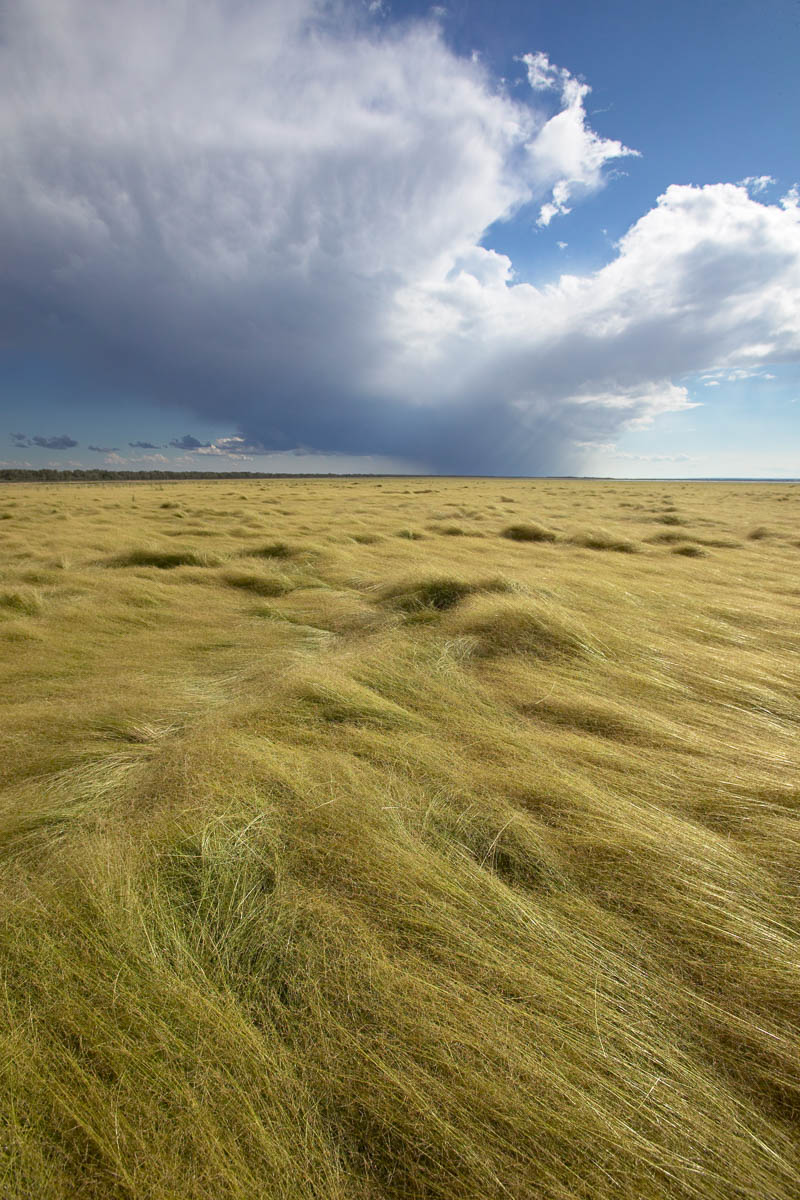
point(165, 560)
point(260, 583)
point(601, 539)
point(272, 550)
point(440, 592)
point(529, 532)
point(376, 868)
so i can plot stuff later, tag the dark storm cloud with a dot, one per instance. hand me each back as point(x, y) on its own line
point(60, 442)
point(187, 442)
point(280, 232)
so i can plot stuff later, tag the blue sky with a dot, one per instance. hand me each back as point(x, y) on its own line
point(486, 238)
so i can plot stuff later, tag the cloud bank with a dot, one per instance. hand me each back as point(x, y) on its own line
point(271, 215)
point(59, 442)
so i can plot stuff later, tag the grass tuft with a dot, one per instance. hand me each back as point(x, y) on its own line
point(672, 519)
point(271, 550)
point(600, 539)
point(505, 625)
point(528, 533)
point(438, 592)
point(258, 584)
point(21, 600)
point(165, 560)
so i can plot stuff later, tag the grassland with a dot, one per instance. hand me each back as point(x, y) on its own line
point(400, 839)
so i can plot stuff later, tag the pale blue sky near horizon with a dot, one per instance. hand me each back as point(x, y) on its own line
point(98, 326)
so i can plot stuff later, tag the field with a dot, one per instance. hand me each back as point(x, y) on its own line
point(400, 839)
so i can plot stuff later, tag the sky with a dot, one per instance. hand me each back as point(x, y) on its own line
point(506, 237)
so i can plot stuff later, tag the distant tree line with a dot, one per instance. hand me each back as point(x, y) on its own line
point(95, 475)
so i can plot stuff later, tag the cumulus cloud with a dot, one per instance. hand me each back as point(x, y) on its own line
point(271, 216)
point(104, 449)
point(143, 446)
point(566, 153)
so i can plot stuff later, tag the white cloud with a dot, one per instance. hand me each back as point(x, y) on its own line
point(655, 458)
point(566, 154)
point(757, 183)
point(274, 220)
point(708, 276)
point(735, 375)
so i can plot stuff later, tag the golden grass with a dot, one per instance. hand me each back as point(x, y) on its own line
point(346, 861)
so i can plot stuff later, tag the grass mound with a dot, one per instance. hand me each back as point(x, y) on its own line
point(600, 539)
point(759, 534)
point(528, 533)
point(165, 560)
point(437, 592)
point(20, 601)
point(337, 699)
point(258, 584)
point(506, 625)
point(690, 550)
point(669, 537)
point(669, 518)
point(271, 550)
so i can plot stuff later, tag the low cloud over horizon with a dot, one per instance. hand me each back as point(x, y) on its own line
point(271, 217)
point(60, 442)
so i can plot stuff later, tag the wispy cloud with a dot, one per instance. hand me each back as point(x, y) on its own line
point(143, 446)
point(104, 449)
point(757, 183)
point(734, 375)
